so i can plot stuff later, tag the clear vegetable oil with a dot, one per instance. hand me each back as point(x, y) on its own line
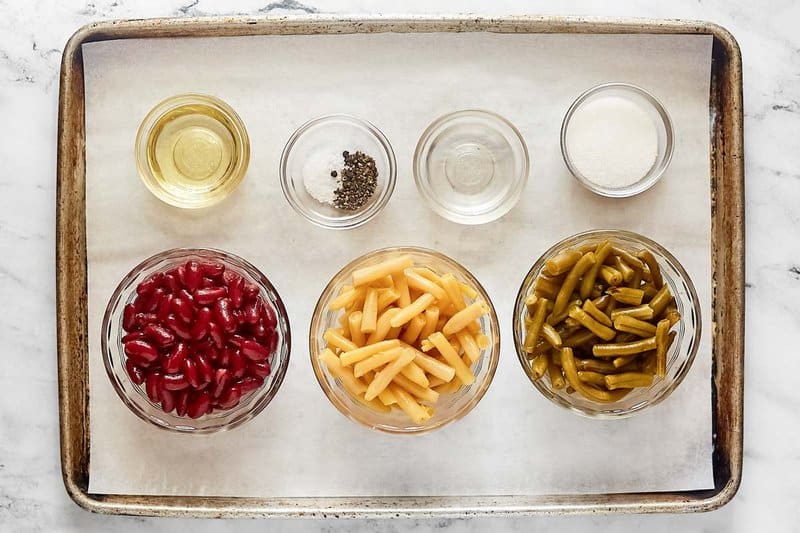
point(196, 153)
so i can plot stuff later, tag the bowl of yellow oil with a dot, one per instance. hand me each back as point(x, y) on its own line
point(192, 150)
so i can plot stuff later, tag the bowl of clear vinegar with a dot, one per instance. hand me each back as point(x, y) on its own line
point(192, 150)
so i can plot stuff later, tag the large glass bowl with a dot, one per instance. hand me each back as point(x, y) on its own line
point(135, 397)
point(680, 356)
point(451, 406)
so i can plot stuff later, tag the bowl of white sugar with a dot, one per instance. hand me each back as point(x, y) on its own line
point(617, 139)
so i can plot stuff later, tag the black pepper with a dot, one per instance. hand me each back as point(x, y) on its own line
point(358, 183)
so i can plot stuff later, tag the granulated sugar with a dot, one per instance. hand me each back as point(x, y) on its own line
point(612, 141)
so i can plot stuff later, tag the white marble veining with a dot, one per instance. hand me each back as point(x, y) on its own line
point(32, 35)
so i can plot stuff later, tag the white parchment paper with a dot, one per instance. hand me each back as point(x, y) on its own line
point(515, 441)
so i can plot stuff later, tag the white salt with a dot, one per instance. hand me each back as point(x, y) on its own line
point(317, 177)
point(612, 141)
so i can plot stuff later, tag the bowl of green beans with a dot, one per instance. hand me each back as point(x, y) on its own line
point(607, 323)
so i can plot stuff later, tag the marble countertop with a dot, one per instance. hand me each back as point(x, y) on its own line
point(32, 36)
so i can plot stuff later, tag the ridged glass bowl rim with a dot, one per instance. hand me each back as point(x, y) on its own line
point(653, 175)
point(123, 290)
point(435, 204)
point(145, 129)
point(525, 288)
point(346, 221)
point(328, 293)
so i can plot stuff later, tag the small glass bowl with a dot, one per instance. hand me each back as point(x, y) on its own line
point(328, 137)
point(450, 407)
point(647, 103)
point(204, 123)
point(471, 166)
point(680, 356)
point(135, 397)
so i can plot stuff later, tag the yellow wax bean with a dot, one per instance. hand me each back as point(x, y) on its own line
point(461, 319)
point(423, 393)
point(415, 308)
point(376, 361)
point(422, 284)
point(401, 285)
point(337, 340)
point(359, 354)
point(386, 375)
point(415, 374)
point(382, 326)
point(370, 273)
point(413, 329)
point(343, 374)
point(356, 335)
point(467, 342)
point(451, 356)
point(369, 317)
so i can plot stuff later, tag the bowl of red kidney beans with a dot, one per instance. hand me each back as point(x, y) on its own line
point(196, 340)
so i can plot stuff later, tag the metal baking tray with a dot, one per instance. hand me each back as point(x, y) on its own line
point(727, 242)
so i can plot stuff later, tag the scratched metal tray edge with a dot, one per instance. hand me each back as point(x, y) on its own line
point(727, 227)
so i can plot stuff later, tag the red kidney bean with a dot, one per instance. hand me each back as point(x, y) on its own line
point(146, 287)
point(183, 309)
point(181, 402)
point(142, 319)
point(272, 345)
point(140, 302)
point(181, 273)
point(236, 292)
point(174, 381)
point(141, 349)
point(193, 275)
point(250, 383)
point(261, 369)
point(129, 317)
point(252, 311)
point(212, 269)
point(224, 316)
point(199, 404)
point(191, 373)
point(230, 397)
point(239, 316)
point(171, 281)
point(132, 336)
point(159, 335)
point(224, 358)
point(237, 365)
point(251, 290)
point(164, 308)
point(186, 295)
point(201, 321)
point(204, 368)
point(235, 340)
point(221, 377)
point(216, 335)
point(205, 283)
point(202, 346)
point(260, 333)
point(268, 316)
point(209, 295)
point(151, 386)
point(135, 372)
point(174, 361)
point(253, 350)
point(154, 300)
point(167, 400)
point(179, 328)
